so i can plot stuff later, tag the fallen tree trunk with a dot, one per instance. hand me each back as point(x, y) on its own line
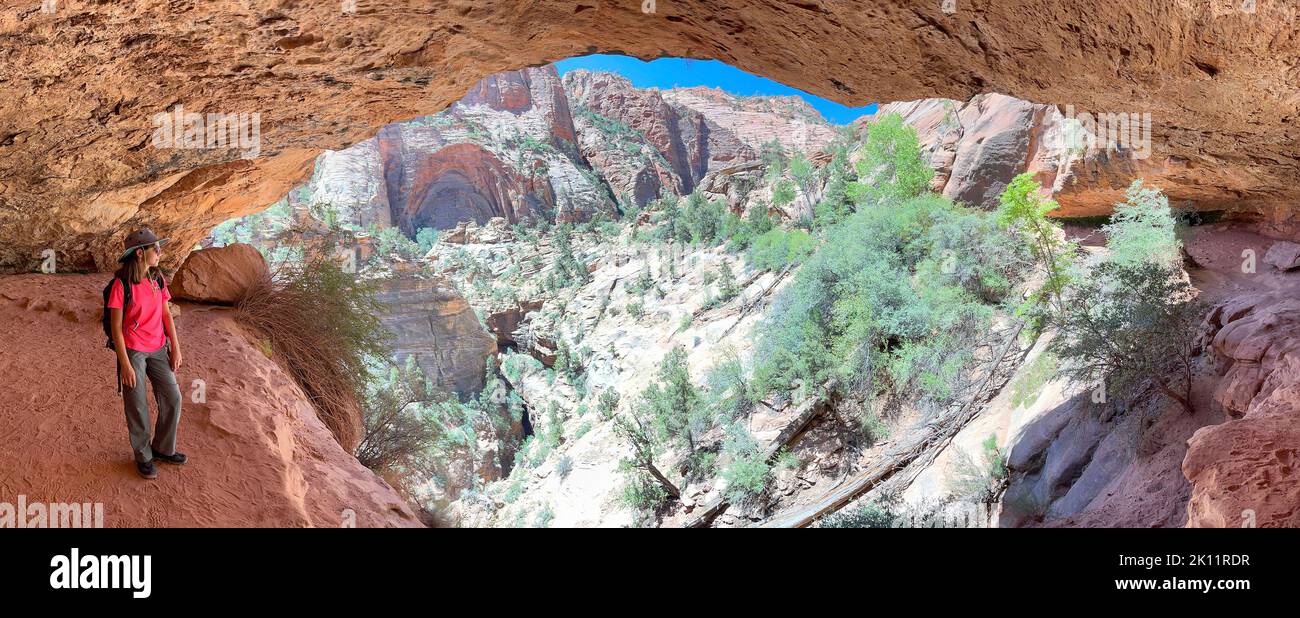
point(804, 414)
point(926, 444)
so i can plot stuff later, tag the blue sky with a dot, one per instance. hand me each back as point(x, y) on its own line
point(670, 72)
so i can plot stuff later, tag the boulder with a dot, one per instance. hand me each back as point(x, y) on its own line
point(1283, 255)
point(219, 275)
point(1242, 471)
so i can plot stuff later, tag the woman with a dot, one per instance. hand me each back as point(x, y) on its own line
point(146, 344)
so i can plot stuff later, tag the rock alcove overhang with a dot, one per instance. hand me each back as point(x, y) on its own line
point(80, 88)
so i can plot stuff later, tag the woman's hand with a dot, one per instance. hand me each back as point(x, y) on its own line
point(128, 376)
point(175, 358)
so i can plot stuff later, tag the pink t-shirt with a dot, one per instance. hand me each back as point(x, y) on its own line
point(142, 325)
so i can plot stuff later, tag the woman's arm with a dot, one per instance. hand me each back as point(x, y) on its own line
point(170, 327)
point(119, 344)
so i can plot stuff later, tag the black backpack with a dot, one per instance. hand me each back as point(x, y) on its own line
point(107, 318)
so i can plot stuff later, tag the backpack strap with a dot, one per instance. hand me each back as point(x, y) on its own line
point(126, 301)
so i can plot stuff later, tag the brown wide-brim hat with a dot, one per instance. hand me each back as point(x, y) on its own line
point(142, 237)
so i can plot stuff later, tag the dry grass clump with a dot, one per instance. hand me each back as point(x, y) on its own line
point(321, 322)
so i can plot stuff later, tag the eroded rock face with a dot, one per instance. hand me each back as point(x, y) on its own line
point(692, 142)
point(977, 147)
point(523, 146)
point(1243, 471)
point(80, 88)
point(755, 121)
point(507, 149)
point(435, 324)
point(1283, 255)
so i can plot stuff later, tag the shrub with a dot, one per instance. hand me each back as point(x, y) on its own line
point(787, 460)
point(564, 466)
point(392, 241)
point(514, 490)
point(782, 193)
point(700, 465)
point(979, 480)
point(773, 157)
point(645, 487)
point(873, 427)
point(399, 434)
point(874, 309)
point(863, 516)
point(673, 403)
point(1134, 316)
point(778, 248)
point(1127, 324)
point(322, 323)
point(640, 491)
point(746, 470)
point(835, 205)
point(729, 393)
point(727, 287)
point(670, 224)
point(642, 283)
point(1023, 211)
point(544, 517)
point(607, 403)
point(805, 177)
point(426, 238)
point(567, 362)
point(703, 219)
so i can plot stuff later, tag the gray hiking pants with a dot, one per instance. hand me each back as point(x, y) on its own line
point(156, 366)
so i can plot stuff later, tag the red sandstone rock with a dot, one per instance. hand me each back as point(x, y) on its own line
point(220, 275)
point(81, 86)
point(1243, 471)
point(1283, 255)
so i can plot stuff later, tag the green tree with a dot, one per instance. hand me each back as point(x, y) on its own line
point(674, 402)
point(1023, 210)
point(1130, 323)
point(782, 193)
point(805, 178)
point(890, 167)
point(1142, 229)
point(835, 204)
point(727, 287)
point(875, 309)
point(671, 224)
point(703, 219)
point(779, 248)
point(1134, 316)
point(645, 485)
point(746, 469)
point(773, 157)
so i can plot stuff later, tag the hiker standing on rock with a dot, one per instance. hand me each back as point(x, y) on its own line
point(141, 331)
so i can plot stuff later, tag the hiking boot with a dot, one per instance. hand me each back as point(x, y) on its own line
point(174, 458)
point(146, 469)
